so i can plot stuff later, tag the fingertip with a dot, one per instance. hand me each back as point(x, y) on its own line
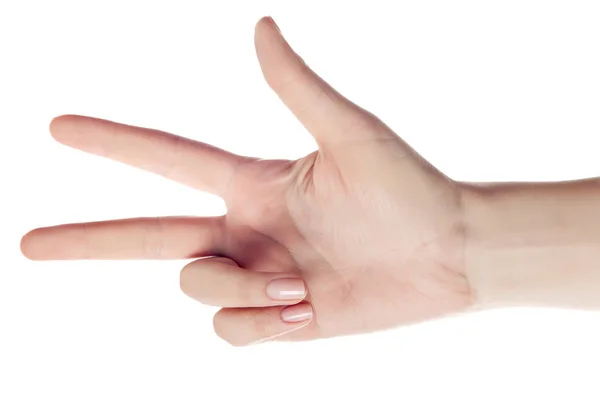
point(222, 332)
point(278, 61)
point(267, 22)
point(57, 126)
point(267, 35)
point(40, 245)
point(27, 245)
point(56, 122)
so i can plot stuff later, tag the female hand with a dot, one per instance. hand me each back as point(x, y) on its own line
point(361, 235)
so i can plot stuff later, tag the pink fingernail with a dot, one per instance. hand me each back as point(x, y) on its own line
point(286, 289)
point(297, 313)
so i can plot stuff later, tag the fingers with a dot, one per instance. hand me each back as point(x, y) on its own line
point(257, 305)
point(192, 163)
point(220, 282)
point(139, 238)
point(241, 327)
point(327, 115)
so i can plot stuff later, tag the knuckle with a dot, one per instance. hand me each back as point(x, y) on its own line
point(191, 281)
point(258, 324)
point(153, 241)
point(242, 290)
point(206, 281)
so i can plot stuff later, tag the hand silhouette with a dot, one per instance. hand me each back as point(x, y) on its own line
point(361, 235)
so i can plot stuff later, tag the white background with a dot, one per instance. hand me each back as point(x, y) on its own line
point(486, 90)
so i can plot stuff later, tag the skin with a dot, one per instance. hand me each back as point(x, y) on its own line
point(361, 235)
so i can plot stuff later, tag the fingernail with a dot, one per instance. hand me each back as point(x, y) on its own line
point(297, 313)
point(286, 289)
point(275, 24)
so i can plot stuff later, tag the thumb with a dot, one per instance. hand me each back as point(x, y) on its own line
point(325, 113)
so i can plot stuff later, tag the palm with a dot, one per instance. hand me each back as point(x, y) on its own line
point(372, 230)
point(358, 248)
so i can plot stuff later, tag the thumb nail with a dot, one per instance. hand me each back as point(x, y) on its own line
point(275, 24)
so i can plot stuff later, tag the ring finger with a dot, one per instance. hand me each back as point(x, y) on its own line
point(221, 282)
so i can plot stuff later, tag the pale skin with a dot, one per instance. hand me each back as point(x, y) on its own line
point(361, 235)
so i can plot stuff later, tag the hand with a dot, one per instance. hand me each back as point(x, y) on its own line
point(361, 235)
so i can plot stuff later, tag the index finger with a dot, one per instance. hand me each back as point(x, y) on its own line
point(185, 161)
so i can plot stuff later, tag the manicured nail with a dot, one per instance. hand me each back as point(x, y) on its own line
point(297, 313)
point(286, 289)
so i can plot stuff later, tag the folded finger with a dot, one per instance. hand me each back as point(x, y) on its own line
point(220, 282)
point(241, 327)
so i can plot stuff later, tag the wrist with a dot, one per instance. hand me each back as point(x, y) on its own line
point(487, 249)
point(533, 244)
